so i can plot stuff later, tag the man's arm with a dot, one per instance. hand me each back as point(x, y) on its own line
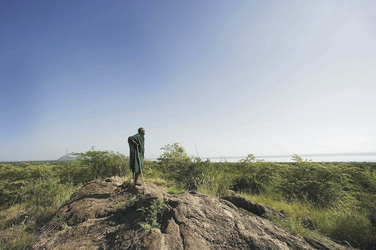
point(130, 140)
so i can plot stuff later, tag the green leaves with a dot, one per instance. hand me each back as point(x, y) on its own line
point(317, 183)
point(173, 154)
point(152, 215)
point(175, 164)
point(100, 164)
point(122, 206)
point(249, 159)
point(256, 177)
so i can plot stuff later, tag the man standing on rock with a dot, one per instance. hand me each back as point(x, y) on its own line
point(136, 153)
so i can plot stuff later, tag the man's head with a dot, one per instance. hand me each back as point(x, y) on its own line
point(141, 131)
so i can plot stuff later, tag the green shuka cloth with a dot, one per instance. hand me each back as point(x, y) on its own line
point(136, 158)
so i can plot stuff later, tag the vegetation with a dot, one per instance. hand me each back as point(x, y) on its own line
point(336, 200)
point(30, 193)
point(153, 214)
point(192, 173)
point(95, 164)
point(122, 206)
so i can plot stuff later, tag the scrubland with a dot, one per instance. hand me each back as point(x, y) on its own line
point(336, 200)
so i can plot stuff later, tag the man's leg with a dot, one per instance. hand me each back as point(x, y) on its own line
point(136, 175)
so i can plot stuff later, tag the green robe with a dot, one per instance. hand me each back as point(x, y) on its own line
point(136, 157)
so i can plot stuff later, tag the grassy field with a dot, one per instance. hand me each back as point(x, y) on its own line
point(336, 200)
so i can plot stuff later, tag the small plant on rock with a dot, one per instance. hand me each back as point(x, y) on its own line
point(153, 214)
point(121, 206)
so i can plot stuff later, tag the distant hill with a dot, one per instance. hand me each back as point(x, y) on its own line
point(67, 158)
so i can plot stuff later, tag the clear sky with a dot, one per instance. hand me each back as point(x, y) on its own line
point(223, 78)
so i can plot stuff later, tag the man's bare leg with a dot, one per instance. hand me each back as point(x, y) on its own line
point(136, 179)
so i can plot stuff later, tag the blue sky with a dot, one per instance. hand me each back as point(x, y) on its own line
point(223, 78)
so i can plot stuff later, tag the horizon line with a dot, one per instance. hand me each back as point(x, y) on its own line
point(301, 155)
point(241, 157)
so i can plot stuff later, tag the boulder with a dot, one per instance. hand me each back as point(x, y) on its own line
point(112, 214)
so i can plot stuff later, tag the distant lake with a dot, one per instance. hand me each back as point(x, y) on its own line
point(355, 157)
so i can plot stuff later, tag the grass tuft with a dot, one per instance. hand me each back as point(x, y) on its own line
point(175, 191)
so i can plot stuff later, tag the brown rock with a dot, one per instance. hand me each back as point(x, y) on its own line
point(256, 208)
point(189, 221)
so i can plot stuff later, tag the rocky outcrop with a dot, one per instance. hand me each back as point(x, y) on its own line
point(112, 214)
point(255, 208)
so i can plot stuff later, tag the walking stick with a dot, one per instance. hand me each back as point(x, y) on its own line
point(139, 163)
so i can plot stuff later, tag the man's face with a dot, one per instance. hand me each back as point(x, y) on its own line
point(143, 131)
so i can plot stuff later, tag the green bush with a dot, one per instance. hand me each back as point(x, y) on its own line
point(347, 225)
point(37, 200)
point(255, 178)
point(152, 215)
point(319, 184)
point(122, 206)
point(17, 237)
point(214, 183)
point(367, 206)
point(175, 164)
point(95, 164)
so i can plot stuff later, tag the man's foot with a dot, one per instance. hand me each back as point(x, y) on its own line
point(137, 184)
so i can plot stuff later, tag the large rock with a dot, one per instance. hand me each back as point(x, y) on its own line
point(255, 208)
point(93, 220)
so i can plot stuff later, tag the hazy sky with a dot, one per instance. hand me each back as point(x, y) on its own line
point(227, 78)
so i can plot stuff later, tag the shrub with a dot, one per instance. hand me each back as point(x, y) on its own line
point(346, 225)
point(216, 185)
point(152, 215)
point(175, 164)
point(368, 206)
point(317, 183)
point(255, 178)
point(102, 164)
point(121, 206)
point(17, 237)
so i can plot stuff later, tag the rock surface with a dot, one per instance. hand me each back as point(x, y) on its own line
point(94, 219)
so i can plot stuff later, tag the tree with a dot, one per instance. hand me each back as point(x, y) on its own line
point(296, 158)
point(173, 153)
point(249, 159)
point(177, 165)
point(102, 164)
